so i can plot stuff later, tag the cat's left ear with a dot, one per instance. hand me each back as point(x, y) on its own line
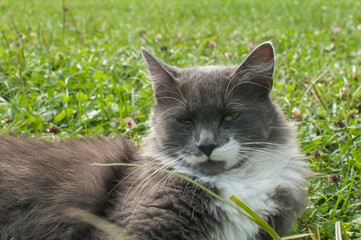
point(159, 70)
point(258, 67)
point(163, 75)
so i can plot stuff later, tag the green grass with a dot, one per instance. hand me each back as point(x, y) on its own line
point(80, 69)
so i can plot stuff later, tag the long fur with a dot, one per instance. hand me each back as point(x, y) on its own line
point(215, 124)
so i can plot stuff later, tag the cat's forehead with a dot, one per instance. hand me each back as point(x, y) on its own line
point(207, 73)
point(205, 79)
point(205, 86)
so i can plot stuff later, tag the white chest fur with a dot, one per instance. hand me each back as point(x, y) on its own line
point(254, 184)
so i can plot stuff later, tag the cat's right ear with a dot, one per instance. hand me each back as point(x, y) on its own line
point(258, 68)
point(163, 75)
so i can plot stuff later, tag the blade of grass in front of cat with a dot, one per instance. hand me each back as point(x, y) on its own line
point(107, 227)
point(297, 236)
point(263, 223)
point(255, 218)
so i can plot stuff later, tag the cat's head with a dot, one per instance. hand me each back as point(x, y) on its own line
point(209, 118)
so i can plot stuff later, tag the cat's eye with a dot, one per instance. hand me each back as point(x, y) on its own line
point(230, 117)
point(185, 121)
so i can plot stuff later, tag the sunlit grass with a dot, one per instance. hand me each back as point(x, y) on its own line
point(76, 66)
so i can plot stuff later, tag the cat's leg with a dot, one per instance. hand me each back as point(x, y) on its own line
point(290, 203)
point(169, 209)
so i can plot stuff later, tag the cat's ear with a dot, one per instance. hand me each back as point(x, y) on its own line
point(258, 67)
point(163, 75)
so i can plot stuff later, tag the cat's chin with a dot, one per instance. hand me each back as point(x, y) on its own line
point(211, 167)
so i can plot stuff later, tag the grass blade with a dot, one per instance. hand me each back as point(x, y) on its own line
point(338, 231)
point(256, 219)
point(107, 227)
point(298, 236)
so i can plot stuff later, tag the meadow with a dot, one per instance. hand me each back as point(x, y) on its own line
point(74, 68)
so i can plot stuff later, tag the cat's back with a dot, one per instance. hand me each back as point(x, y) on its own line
point(56, 175)
point(27, 151)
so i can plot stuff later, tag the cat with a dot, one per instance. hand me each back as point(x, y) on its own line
point(214, 124)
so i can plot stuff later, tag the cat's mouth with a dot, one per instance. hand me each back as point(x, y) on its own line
point(212, 168)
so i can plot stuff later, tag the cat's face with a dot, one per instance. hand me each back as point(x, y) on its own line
point(209, 118)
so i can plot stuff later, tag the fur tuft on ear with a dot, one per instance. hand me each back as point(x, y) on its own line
point(258, 66)
point(163, 76)
point(159, 69)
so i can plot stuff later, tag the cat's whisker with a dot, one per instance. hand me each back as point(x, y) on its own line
point(258, 150)
point(179, 94)
point(260, 143)
point(253, 71)
point(245, 82)
point(131, 191)
point(174, 98)
point(140, 185)
point(171, 174)
point(280, 127)
point(164, 178)
point(169, 109)
point(174, 163)
point(226, 93)
point(243, 160)
point(236, 105)
point(145, 105)
point(265, 153)
point(133, 196)
point(130, 174)
point(247, 165)
point(238, 78)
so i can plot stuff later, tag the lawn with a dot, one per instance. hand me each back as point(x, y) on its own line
point(74, 68)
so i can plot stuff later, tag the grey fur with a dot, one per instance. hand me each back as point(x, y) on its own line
point(205, 95)
point(40, 180)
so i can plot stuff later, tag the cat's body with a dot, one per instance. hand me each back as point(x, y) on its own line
point(213, 124)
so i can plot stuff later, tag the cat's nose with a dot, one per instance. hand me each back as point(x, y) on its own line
point(207, 141)
point(207, 148)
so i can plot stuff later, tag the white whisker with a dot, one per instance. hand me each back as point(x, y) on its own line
point(169, 109)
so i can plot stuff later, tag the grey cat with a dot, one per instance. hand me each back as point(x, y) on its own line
point(214, 124)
